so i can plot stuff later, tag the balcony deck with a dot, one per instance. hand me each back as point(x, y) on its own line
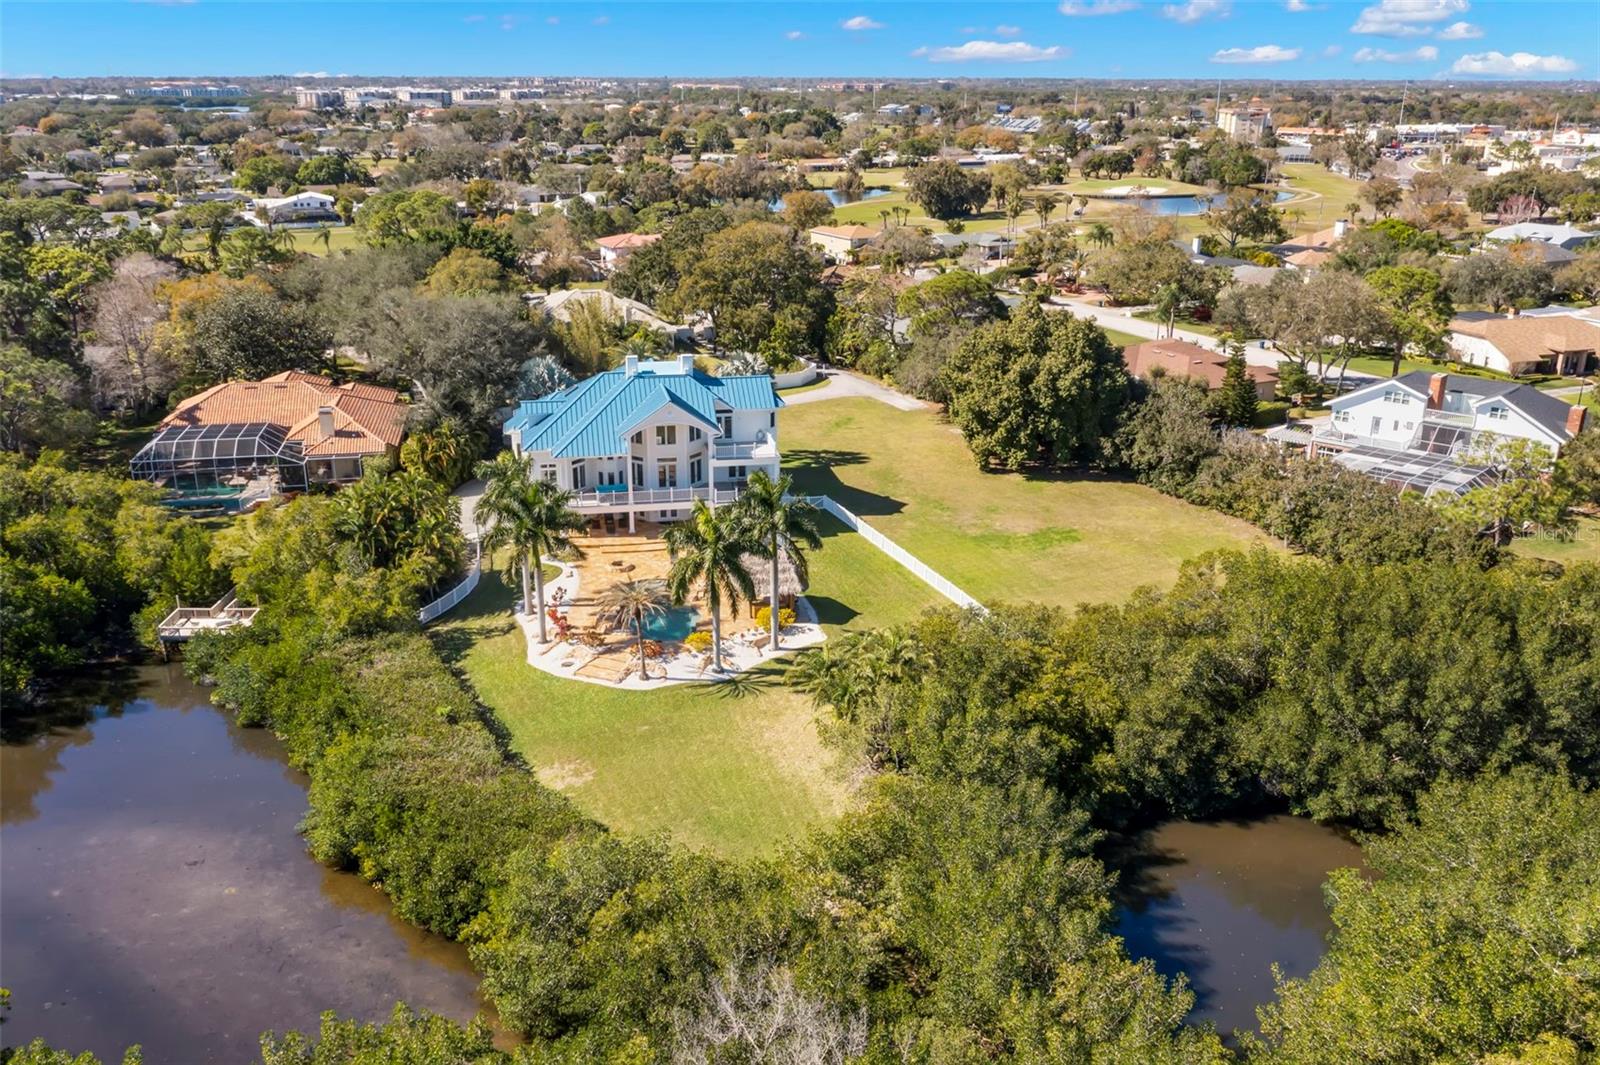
point(619, 498)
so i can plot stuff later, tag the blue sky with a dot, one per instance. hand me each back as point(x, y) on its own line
point(1277, 39)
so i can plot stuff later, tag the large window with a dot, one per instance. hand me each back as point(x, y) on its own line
point(667, 475)
point(666, 435)
point(697, 471)
point(725, 424)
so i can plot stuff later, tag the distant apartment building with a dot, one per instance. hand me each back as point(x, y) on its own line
point(1248, 124)
point(368, 96)
point(318, 99)
point(424, 97)
point(186, 90)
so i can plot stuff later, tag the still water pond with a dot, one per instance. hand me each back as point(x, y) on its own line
point(155, 890)
point(1223, 900)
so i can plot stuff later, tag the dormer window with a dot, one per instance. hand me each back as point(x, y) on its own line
point(666, 435)
point(725, 424)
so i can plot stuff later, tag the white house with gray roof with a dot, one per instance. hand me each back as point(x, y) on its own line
point(1424, 430)
point(648, 439)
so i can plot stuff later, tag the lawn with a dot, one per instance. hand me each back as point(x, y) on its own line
point(1323, 199)
point(1183, 322)
point(1121, 339)
point(1583, 547)
point(1062, 540)
point(735, 767)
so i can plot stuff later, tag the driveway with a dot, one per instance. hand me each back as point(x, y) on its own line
point(469, 494)
point(841, 384)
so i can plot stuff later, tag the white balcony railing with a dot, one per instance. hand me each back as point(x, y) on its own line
point(761, 449)
point(621, 497)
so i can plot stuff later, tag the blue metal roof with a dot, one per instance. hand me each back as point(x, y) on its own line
point(592, 419)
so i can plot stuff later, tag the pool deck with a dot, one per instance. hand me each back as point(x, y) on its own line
point(597, 653)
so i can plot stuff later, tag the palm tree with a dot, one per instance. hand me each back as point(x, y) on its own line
point(325, 238)
point(706, 553)
point(1101, 235)
point(1046, 203)
point(528, 515)
point(1014, 208)
point(780, 525)
point(1168, 299)
point(634, 601)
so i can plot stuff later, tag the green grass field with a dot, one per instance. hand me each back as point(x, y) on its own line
point(734, 767)
point(1323, 199)
point(1584, 546)
point(1062, 540)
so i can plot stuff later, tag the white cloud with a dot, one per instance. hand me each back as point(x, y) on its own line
point(1265, 53)
point(312, 74)
point(1406, 18)
point(1426, 54)
point(1077, 8)
point(861, 22)
point(602, 20)
point(509, 22)
point(1196, 10)
point(1460, 31)
point(795, 35)
point(1007, 31)
point(1298, 6)
point(1332, 50)
point(554, 20)
point(994, 52)
point(472, 18)
point(1514, 64)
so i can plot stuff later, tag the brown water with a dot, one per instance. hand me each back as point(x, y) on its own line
point(153, 888)
point(1223, 900)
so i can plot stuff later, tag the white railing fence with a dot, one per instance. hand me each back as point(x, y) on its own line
point(921, 570)
point(459, 592)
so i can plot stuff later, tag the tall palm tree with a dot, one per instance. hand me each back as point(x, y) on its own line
point(1168, 299)
point(528, 515)
point(325, 238)
point(635, 601)
point(706, 554)
point(781, 525)
point(1101, 235)
point(1046, 203)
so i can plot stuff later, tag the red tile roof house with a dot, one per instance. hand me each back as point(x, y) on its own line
point(297, 428)
point(614, 251)
point(1179, 358)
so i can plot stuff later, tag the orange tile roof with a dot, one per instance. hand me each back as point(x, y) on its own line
point(367, 419)
point(1180, 358)
point(628, 240)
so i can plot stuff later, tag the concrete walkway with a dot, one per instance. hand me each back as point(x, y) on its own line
point(469, 494)
point(841, 384)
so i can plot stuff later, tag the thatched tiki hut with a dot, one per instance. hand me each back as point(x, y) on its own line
point(760, 569)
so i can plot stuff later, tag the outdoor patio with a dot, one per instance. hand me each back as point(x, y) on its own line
point(595, 650)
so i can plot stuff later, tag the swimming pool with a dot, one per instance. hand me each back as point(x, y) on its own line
point(672, 625)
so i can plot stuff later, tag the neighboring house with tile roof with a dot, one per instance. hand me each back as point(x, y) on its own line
point(1524, 344)
point(1559, 235)
point(614, 251)
point(298, 428)
point(1180, 358)
point(649, 438)
point(840, 243)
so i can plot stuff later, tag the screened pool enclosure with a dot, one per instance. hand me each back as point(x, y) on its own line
point(205, 458)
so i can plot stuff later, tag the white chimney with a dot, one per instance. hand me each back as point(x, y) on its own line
point(686, 363)
point(325, 421)
point(630, 365)
point(1194, 246)
point(1340, 228)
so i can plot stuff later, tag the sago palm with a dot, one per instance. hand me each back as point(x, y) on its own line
point(706, 552)
point(778, 527)
point(636, 602)
point(528, 515)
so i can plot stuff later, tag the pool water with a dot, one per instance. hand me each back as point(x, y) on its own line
point(672, 625)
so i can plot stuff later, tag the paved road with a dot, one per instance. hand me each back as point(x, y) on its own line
point(841, 384)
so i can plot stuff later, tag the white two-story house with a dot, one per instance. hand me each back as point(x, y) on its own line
point(648, 439)
point(1426, 431)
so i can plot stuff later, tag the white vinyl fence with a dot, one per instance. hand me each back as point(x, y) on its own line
point(920, 569)
point(459, 592)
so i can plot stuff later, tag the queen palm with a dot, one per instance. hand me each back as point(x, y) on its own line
point(707, 550)
point(636, 602)
point(528, 515)
point(778, 526)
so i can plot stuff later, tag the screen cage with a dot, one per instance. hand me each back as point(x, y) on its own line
point(203, 458)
